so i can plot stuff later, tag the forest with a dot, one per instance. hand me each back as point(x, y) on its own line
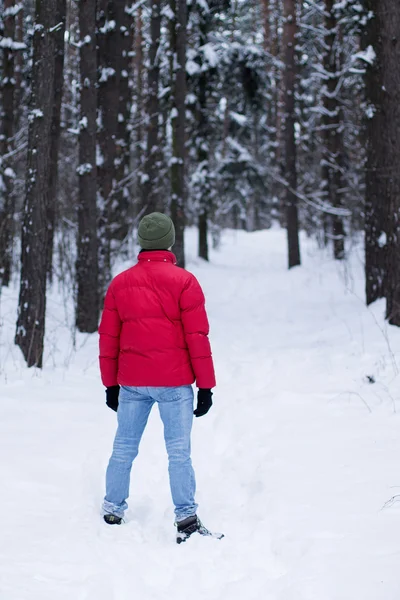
point(243, 114)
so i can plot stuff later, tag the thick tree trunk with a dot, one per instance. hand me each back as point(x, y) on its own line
point(59, 35)
point(178, 118)
point(87, 310)
point(290, 163)
point(7, 129)
point(388, 55)
point(377, 181)
point(32, 298)
point(151, 192)
point(110, 20)
point(332, 123)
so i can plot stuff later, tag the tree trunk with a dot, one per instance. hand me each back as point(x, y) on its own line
point(388, 55)
point(121, 200)
point(7, 129)
point(139, 137)
point(139, 82)
point(59, 35)
point(377, 181)
point(332, 124)
point(178, 118)
point(290, 166)
point(19, 67)
point(202, 185)
point(266, 13)
point(110, 19)
point(32, 297)
point(151, 183)
point(203, 235)
point(87, 311)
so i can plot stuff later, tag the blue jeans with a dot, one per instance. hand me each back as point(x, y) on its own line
point(176, 410)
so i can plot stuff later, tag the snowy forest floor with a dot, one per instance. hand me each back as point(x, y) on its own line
point(294, 464)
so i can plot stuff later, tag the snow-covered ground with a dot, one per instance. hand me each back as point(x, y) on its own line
point(295, 462)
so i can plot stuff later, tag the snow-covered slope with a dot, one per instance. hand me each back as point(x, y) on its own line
point(295, 462)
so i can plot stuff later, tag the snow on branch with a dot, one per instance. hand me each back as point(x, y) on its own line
point(10, 44)
point(106, 74)
point(203, 4)
point(368, 55)
point(56, 27)
point(323, 207)
point(108, 26)
point(36, 113)
point(167, 12)
point(84, 169)
point(131, 10)
point(12, 11)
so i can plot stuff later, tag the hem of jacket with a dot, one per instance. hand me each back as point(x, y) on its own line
point(155, 383)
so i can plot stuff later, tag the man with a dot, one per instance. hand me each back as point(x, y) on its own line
point(153, 346)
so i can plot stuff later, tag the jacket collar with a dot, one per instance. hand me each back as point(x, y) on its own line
point(157, 256)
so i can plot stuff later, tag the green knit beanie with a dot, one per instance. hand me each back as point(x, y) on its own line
point(156, 232)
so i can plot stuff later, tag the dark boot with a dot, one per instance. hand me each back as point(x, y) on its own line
point(112, 520)
point(193, 525)
point(186, 528)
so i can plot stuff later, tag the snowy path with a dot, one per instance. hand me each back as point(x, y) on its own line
point(294, 463)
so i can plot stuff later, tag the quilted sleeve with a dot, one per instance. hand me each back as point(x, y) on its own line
point(109, 331)
point(196, 329)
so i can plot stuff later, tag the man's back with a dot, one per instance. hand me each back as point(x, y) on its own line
point(154, 327)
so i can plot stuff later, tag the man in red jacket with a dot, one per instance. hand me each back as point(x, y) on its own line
point(153, 346)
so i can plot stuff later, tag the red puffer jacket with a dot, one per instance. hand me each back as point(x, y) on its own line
point(154, 328)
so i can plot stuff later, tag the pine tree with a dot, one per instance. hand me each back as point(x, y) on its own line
point(122, 198)
point(35, 239)
point(388, 57)
point(151, 185)
point(112, 31)
point(10, 49)
point(178, 23)
point(87, 311)
point(59, 35)
point(376, 204)
point(332, 124)
point(290, 165)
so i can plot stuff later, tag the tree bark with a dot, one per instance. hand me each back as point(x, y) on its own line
point(332, 124)
point(32, 297)
point(290, 165)
point(138, 119)
point(202, 141)
point(87, 310)
point(121, 202)
point(139, 82)
point(377, 181)
point(109, 41)
point(388, 55)
point(178, 119)
point(59, 35)
point(19, 67)
point(151, 185)
point(7, 129)
point(203, 235)
point(266, 13)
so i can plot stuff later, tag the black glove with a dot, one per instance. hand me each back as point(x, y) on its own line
point(204, 402)
point(112, 395)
